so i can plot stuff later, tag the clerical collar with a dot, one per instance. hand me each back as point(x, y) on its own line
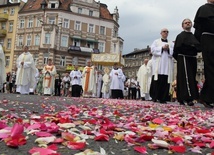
point(164, 40)
point(115, 68)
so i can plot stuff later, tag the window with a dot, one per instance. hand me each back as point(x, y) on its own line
point(115, 33)
point(45, 56)
point(91, 28)
point(47, 38)
point(35, 57)
point(76, 42)
point(64, 41)
point(30, 23)
point(28, 40)
point(77, 25)
point(115, 48)
point(20, 42)
point(62, 61)
point(90, 44)
point(38, 22)
point(9, 43)
point(3, 25)
point(10, 26)
point(5, 11)
point(7, 63)
point(22, 23)
point(12, 11)
point(66, 23)
point(51, 20)
point(37, 40)
point(102, 30)
point(90, 13)
point(101, 47)
point(53, 5)
point(79, 10)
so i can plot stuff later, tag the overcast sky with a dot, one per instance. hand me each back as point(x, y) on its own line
point(141, 20)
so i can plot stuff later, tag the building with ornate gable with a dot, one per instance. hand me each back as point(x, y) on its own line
point(67, 31)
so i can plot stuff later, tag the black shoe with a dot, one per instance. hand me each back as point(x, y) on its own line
point(163, 102)
point(206, 104)
point(182, 103)
point(143, 98)
point(154, 100)
point(190, 103)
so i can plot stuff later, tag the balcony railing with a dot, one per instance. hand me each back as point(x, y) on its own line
point(3, 32)
point(83, 49)
point(3, 17)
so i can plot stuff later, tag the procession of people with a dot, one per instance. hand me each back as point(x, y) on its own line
point(153, 82)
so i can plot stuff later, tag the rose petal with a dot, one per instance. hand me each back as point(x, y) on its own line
point(76, 145)
point(140, 149)
point(178, 149)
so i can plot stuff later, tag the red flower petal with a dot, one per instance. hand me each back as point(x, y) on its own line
point(2, 125)
point(212, 145)
point(43, 134)
point(157, 121)
point(15, 141)
point(76, 145)
point(202, 130)
point(200, 144)
point(102, 137)
point(140, 149)
point(17, 130)
point(179, 149)
point(42, 151)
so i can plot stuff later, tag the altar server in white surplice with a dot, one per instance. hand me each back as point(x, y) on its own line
point(117, 82)
point(26, 71)
point(76, 76)
point(162, 67)
point(144, 79)
point(49, 72)
point(2, 68)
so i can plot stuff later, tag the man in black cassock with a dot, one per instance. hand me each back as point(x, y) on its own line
point(185, 52)
point(204, 32)
point(162, 68)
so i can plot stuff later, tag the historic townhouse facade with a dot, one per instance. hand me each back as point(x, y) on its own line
point(8, 21)
point(134, 60)
point(67, 31)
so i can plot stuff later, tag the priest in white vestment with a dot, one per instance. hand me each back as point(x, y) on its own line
point(26, 70)
point(106, 84)
point(49, 72)
point(117, 82)
point(144, 79)
point(88, 80)
point(162, 67)
point(2, 68)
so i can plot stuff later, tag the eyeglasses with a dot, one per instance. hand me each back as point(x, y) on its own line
point(165, 31)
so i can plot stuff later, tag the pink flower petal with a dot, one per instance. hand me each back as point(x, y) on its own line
point(17, 129)
point(76, 145)
point(140, 149)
